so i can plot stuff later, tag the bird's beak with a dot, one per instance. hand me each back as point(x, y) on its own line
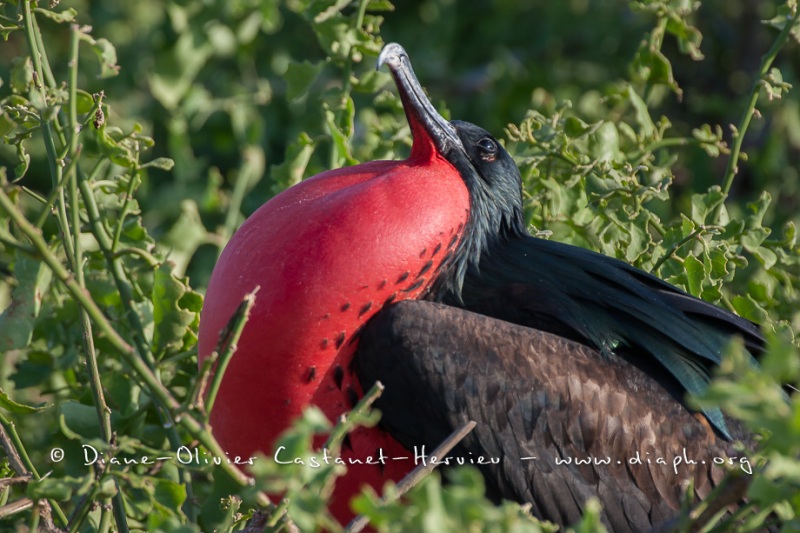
point(429, 129)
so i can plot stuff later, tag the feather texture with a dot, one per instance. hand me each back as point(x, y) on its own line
point(606, 304)
point(539, 395)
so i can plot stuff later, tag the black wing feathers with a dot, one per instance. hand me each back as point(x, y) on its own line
point(606, 304)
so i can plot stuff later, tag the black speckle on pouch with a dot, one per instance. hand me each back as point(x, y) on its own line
point(338, 376)
point(339, 339)
point(354, 338)
point(417, 284)
point(312, 374)
point(427, 266)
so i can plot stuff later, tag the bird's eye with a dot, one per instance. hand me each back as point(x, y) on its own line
point(487, 148)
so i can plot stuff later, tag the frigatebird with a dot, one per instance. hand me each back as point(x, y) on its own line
point(421, 274)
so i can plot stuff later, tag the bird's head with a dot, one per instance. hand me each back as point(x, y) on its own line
point(488, 170)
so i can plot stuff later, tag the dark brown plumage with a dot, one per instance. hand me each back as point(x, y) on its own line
point(540, 395)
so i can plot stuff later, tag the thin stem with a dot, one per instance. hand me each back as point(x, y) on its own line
point(237, 198)
point(37, 55)
point(76, 291)
point(677, 246)
point(11, 243)
point(732, 167)
point(19, 460)
point(121, 280)
point(45, 66)
point(344, 427)
point(664, 143)
point(48, 203)
point(15, 507)
point(132, 182)
point(73, 152)
point(157, 390)
point(346, 424)
point(151, 260)
point(115, 268)
point(229, 337)
point(33, 525)
point(418, 474)
point(656, 41)
point(347, 76)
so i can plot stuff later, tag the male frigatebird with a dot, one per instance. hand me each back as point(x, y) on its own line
point(421, 274)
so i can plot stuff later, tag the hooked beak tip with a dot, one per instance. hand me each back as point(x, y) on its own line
point(391, 54)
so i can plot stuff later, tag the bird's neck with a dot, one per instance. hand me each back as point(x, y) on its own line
point(487, 228)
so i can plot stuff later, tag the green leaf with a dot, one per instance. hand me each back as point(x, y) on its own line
point(170, 494)
point(759, 209)
point(21, 74)
point(604, 142)
point(107, 55)
point(752, 238)
point(79, 421)
point(294, 165)
point(85, 101)
point(24, 162)
point(705, 204)
point(342, 132)
point(653, 67)
point(7, 124)
point(646, 125)
point(176, 69)
point(695, 274)
point(575, 127)
point(784, 16)
point(59, 489)
point(18, 320)
point(711, 140)
point(300, 76)
point(689, 37)
point(767, 257)
point(171, 320)
point(748, 308)
point(161, 163)
point(34, 370)
point(185, 237)
point(68, 15)
point(118, 153)
point(124, 394)
point(17, 408)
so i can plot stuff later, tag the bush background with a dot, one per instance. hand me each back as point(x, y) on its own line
point(604, 105)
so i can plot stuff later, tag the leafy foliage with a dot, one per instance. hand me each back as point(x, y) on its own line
point(132, 149)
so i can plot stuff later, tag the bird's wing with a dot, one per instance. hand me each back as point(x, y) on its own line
point(606, 304)
point(538, 399)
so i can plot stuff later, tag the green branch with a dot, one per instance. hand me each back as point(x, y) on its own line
point(159, 392)
point(732, 167)
point(226, 347)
